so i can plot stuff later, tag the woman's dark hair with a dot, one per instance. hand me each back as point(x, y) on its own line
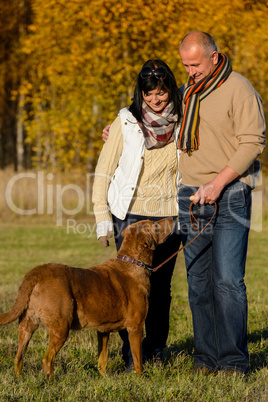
point(150, 83)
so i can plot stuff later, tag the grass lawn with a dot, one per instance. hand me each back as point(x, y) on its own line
point(24, 245)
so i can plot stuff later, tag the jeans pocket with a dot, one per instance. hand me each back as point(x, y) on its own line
point(236, 203)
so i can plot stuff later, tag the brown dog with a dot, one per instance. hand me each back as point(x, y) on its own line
point(108, 297)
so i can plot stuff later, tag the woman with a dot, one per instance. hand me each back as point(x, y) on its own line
point(136, 179)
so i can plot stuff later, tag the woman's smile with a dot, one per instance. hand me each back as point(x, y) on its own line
point(156, 99)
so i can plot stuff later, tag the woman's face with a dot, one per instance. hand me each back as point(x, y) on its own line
point(157, 99)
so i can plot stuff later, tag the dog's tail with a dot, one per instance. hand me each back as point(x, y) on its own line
point(24, 293)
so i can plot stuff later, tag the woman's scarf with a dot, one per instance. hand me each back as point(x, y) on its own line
point(192, 95)
point(158, 130)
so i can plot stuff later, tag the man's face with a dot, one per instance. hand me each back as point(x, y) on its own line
point(197, 64)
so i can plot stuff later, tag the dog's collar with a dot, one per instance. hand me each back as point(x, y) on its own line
point(133, 261)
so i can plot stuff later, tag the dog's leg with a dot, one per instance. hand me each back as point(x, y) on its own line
point(56, 340)
point(26, 330)
point(103, 339)
point(135, 341)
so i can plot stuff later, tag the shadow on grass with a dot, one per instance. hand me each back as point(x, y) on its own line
point(186, 346)
point(259, 355)
point(258, 336)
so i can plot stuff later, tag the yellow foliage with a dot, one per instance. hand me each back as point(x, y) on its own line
point(84, 56)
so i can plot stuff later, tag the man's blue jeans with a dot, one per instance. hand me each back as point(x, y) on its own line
point(215, 264)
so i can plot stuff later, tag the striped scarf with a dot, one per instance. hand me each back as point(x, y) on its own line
point(192, 95)
point(158, 130)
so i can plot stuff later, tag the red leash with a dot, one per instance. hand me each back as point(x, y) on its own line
point(195, 226)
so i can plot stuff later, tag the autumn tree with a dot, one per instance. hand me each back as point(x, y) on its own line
point(83, 58)
point(14, 18)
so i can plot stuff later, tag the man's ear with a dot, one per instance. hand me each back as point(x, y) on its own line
point(215, 57)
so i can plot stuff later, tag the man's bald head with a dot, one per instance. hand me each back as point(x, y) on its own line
point(200, 39)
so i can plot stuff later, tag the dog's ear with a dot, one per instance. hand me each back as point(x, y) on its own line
point(162, 229)
point(127, 231)
point(143, 231)
point(123, 233)
point(154, 233)
point(149, 241)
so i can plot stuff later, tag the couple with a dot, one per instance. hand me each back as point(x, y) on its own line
point(213, 144)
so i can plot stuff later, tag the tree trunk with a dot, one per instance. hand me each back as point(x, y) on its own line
point(20, 136)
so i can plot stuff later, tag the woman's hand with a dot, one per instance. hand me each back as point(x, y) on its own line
point(104, 239)
point(105, 132)
point(104, 231)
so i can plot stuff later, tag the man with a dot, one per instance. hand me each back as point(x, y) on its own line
point(222, 135)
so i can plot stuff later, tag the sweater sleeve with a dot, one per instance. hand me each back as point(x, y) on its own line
point(107, 163)
point(249, 125)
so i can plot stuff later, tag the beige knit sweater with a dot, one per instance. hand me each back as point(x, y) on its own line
point(232, 133)
point(156, 190)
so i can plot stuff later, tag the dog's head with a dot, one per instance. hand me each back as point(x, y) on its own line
point(141, 238)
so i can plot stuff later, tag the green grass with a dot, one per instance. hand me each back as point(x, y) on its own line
point(25, 245)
